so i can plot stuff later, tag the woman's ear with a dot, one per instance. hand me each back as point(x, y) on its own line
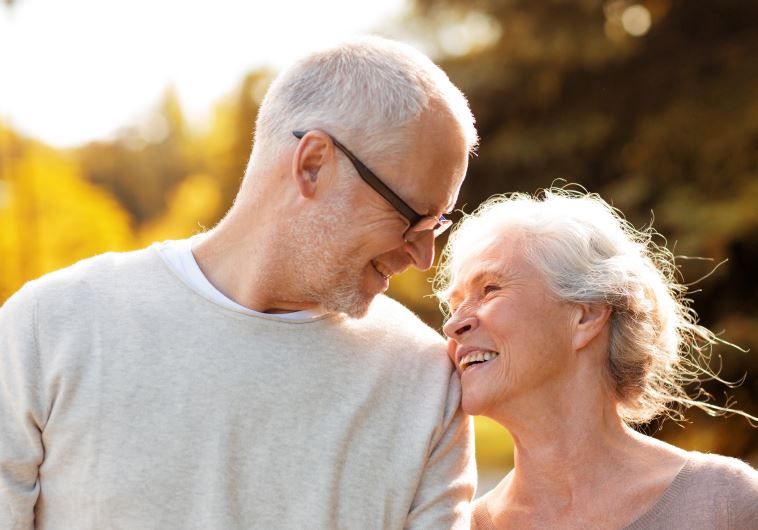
point(309, 158)
point(590, 321)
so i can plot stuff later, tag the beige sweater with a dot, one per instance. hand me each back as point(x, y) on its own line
point(711, 492)
point(130, 401)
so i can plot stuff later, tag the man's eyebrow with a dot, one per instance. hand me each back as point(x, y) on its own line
point(431, 210)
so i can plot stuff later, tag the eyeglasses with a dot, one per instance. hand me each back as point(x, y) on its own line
point(420, 225)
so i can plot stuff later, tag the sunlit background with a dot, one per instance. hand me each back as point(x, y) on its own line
point(129, 122)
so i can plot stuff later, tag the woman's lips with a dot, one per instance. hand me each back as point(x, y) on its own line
point(473, 357)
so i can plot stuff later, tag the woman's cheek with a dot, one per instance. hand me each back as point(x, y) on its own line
point(451, 346)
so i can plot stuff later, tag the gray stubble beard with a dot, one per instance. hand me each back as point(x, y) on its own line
point(335, 284)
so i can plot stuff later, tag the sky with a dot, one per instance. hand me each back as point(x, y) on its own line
point(72, 71)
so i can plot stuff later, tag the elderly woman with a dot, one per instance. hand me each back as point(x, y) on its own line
point(568, 327)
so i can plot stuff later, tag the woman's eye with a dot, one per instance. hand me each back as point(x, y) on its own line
point(490, 289)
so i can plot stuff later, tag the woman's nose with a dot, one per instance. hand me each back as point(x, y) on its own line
point(458, 326)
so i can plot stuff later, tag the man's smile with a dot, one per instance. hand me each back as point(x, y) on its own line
point(382, 269)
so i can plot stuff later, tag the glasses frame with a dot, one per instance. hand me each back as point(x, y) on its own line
point(370, 178)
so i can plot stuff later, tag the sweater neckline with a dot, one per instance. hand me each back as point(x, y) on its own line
point(669, 495)
point(482, 515)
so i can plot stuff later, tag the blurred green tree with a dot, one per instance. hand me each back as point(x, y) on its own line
point(651, 103)
point(226, 147)
point(145, 162)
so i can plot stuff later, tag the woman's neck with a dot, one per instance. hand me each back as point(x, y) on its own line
point(559, 449)
point(574, 455)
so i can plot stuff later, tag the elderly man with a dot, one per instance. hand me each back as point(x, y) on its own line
point(250, 377)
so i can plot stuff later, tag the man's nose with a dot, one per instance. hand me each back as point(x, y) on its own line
point(458, 326)
point(422, 251)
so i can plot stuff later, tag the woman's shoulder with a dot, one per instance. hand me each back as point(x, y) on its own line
point(727, 478)
point(721, 468)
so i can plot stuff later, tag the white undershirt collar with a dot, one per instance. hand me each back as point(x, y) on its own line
point(178, 255)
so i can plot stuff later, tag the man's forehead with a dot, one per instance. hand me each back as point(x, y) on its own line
point(433, 165)
point(450, 206)
point(446, 192)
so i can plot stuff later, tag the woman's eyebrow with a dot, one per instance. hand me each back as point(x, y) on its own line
point(478, 277)
point(490, 273)
point(453, 297)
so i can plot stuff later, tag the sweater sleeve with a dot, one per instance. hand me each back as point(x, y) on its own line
point(21, 423)
point(447, 486)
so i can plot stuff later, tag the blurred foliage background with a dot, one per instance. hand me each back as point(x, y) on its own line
point(653, 104)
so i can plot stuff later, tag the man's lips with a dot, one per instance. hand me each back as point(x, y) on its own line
point(382, 269)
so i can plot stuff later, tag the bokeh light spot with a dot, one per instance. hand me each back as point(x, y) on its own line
point(636, 20)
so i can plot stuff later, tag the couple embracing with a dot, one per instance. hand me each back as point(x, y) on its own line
point(255, 376)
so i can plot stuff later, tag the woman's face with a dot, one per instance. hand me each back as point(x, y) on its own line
point(503, 311)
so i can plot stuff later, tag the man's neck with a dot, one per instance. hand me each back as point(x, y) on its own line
point(247, 266)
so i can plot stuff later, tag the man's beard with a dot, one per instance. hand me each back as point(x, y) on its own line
point(334, 278)
point(345, 294)
point(331, 274)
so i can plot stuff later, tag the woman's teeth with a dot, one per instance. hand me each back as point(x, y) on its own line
point(476, 357)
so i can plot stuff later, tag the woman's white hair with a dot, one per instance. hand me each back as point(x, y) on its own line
point(366, 92)
point(588, 253)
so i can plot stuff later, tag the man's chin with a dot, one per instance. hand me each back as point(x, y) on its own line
point(353, 306)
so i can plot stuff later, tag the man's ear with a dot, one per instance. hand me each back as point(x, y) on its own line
point(310, 156)
point(590, 319)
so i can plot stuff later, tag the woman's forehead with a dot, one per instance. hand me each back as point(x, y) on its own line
point(493, 255)
point(495, 261)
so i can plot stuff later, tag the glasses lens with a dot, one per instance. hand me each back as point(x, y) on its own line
point(426, 225)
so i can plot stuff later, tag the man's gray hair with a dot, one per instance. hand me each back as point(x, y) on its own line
point(588, 253)
point(366, 92)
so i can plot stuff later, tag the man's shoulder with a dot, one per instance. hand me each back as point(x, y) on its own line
point(107, 269)
point(402, 333)
point(400, 320)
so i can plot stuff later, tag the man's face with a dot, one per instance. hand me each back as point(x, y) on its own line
point(359, 244)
